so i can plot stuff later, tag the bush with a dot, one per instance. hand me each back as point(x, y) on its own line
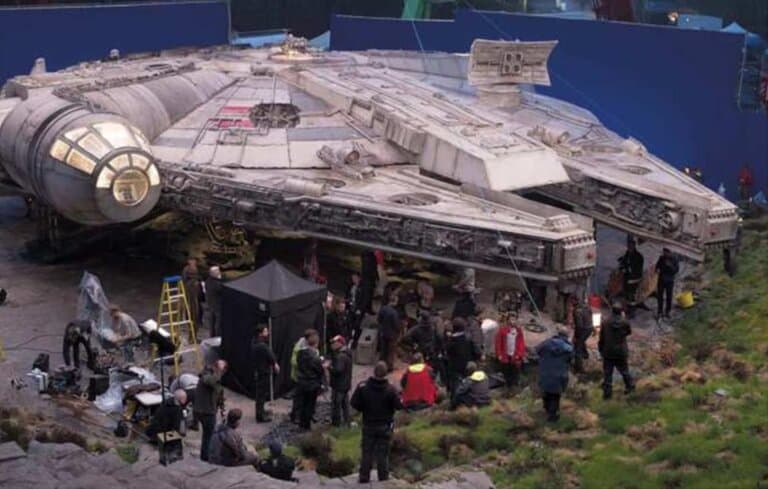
point(315, 445)
point(329, 467)
point(128, 453)
point(59, 434)
point(403, 447)
point(461, 417)
point(449, 441)
point(9, 412)
point(13, 430)
point(460, 454)
point(97, 447)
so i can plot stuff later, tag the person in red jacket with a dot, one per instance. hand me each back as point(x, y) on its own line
point(418, 383)
point(510, 350)
point(745, 182)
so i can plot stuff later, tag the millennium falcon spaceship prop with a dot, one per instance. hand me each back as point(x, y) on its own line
point(441, 156)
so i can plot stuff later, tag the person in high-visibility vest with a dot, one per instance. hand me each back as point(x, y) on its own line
point(418, 383)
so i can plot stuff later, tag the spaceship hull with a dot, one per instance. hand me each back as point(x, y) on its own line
point(370, 149)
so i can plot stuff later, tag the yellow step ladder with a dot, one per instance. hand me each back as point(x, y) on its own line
point(173, 314)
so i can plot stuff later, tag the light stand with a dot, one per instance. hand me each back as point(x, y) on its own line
point(170, 447)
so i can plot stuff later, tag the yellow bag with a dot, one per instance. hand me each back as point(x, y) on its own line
point(685, 299)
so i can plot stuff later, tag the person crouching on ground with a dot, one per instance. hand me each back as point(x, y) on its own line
point(126, 331)
point(555, 356)
point(227, 446)
point(474, 390)
point(419, 387)
point(168, 416)
point(78, 333)
point(340, 373)
point(377, 400)
point(278, 466)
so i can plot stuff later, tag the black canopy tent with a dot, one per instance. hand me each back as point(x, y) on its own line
point(273, 296)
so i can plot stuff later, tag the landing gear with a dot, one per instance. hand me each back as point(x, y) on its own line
point(729, 260)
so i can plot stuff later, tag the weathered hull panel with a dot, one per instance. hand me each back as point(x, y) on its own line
point(546, 258)
point(361, 148)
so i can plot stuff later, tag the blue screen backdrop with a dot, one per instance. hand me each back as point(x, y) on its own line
point(673, 89)
point(65, 35)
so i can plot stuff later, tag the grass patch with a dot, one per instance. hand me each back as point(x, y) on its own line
point(709, 429)
point(128, 453)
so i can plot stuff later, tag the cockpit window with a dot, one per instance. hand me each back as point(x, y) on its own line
point(94, 145)
point(117, 134)
point(80, 161)
point(59, 150)
point(83, 147)
point(75, 134)
point(120, 162)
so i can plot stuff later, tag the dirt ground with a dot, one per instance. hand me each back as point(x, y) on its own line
point(42, 298)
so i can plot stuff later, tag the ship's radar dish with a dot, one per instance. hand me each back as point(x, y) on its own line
point(274, 116)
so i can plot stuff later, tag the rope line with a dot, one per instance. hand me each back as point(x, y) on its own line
point(500, 237)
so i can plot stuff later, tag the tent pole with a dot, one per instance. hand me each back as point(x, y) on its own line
point(272, 374)
point(325, 330)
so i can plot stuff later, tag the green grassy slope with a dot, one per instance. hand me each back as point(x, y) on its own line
point(699, 418)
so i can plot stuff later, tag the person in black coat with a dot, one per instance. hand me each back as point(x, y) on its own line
point(309, 380)
point(340, 373)
point(377, 400)
point(77, 333)
point(474, 390)
point(667, 267)
point(354, 309)
point(465, 306)
point(213, 289)
point(336, 321)
point(615, 351)
point(423, 337)
point(278, 466)
point(265, 365)
point(631, 264)
point(459, 351)
point(389, 331)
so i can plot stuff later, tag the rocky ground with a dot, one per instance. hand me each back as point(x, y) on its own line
point(42, 299)
point(67, 466)
point(696, 418)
